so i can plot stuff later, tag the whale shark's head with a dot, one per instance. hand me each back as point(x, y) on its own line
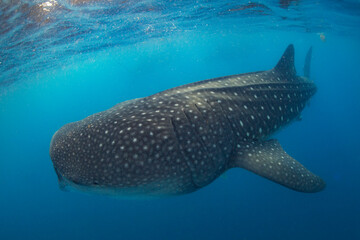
point(114, 153)
point(64, 152)
point(78, 163)
point(83, 155)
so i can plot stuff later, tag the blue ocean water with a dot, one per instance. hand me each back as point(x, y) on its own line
point(61, 61)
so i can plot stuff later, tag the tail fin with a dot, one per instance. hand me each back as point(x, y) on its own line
point(286, 62)
point(307, 63)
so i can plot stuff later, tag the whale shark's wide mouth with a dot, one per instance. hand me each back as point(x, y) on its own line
point(63, 183)
point(69, 185)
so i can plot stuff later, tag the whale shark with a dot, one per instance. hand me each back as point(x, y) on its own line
point(180, 140)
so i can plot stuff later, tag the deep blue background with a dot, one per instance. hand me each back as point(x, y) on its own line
point(238, 205)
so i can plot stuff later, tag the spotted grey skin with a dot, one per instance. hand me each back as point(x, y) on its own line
point(180, 140)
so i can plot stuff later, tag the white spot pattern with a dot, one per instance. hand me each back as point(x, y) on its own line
point(181, 139)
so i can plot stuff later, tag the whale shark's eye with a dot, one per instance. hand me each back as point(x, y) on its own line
point(96, 182)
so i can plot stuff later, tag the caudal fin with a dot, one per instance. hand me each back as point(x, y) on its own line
point(307, 63)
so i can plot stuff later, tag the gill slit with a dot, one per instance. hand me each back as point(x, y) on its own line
point(177, 136)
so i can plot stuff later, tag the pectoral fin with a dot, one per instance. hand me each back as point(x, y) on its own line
point(269, 160)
